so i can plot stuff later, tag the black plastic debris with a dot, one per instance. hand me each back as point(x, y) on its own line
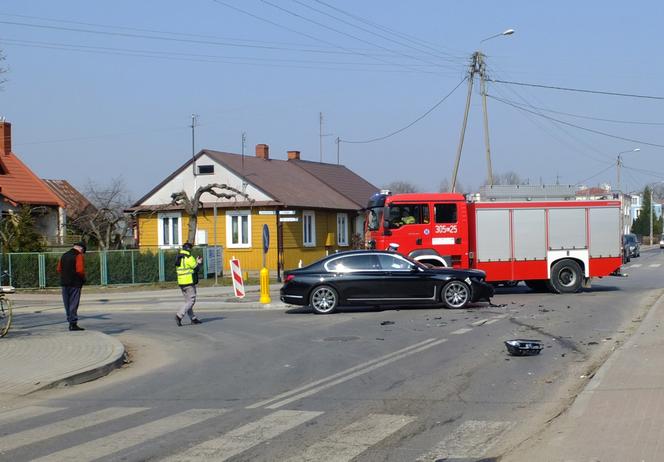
point(523, 347)
point(387, 323)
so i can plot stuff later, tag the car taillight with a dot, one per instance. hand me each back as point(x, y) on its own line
point(289, 278)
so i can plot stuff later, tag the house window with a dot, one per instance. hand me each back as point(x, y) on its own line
point(342, 229)
point(205, 169)
point(169, 233)
point(309, 229)
point(238, 229)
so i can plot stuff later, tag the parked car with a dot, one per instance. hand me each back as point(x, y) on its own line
point(380, 278)
point(631, 245)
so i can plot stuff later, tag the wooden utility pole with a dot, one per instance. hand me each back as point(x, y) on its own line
point(471, 78)
point(481, 69)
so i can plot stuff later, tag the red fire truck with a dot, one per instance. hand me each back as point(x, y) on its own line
point(541, 235)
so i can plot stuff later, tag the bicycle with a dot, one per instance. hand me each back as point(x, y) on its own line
point(5, 309)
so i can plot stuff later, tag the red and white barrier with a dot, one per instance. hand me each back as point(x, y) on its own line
point(236, 274)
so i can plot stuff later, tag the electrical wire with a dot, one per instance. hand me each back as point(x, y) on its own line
point(598, 92)
point(410, 124)
point(597, 132)
point(593, 176)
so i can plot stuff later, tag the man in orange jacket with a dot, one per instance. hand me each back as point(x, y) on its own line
point(72, 277)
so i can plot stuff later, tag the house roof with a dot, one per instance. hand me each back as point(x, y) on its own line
point(75, 202)
point(20, 185)
point(291, 183)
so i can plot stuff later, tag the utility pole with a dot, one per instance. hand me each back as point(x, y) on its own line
point(194, 122)
point(651, 214)
point(471, 78)
point(481, 69)
point(320, 120)
point(244, 142)
point(338, 141)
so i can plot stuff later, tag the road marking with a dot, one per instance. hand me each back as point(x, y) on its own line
point(338, 374)
point(655, 265)
point(463, 330)
point(636, 265)
point(347, 443)
point(491, 321)
point(315, 390)
point(245, 437)
point(472, 439)
point(25, 413)
point(480, 322)
point(133, 436)
point(33, 435)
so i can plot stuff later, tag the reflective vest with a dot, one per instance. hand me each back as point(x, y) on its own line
point(186, 268)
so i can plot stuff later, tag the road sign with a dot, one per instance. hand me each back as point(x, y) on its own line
point(266, 239)
point(236, 274)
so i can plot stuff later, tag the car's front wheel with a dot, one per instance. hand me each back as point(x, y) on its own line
point(455, 294)
point(324, 300)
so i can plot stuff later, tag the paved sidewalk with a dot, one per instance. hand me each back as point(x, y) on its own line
point(619, 417)
point(33, 361)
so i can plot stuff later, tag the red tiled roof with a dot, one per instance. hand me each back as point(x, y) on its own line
point(74, 201)
point(20, 185)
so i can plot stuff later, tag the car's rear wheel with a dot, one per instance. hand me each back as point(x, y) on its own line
point(455, 294)
point(324, 300)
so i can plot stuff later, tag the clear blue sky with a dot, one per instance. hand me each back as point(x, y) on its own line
point(120, 105)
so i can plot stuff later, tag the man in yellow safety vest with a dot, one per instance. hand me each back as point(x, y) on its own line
point(187, 271)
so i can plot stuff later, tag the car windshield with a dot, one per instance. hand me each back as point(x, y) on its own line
point(374, 216)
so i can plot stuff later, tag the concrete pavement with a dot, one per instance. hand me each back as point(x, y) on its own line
point(38, 357)
point(619, 416)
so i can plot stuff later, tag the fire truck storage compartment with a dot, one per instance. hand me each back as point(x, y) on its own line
point(493, 235)
point(605, 232)
point(567, 228)
point(529, 234)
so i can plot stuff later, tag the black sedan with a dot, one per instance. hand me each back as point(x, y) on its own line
point(380, 278)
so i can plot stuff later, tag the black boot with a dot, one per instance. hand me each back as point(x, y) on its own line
point(74, 326)
point(178, 320)
point(196, 321)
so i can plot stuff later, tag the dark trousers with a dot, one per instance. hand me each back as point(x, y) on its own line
point(71, 296)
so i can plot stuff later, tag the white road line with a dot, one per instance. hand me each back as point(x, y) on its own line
point(479, 323)
point(338, 374)
point(133, 436)
point(655, 265)
point(315, 390)
point(16, 440)
point(463, 330)
point(470, 440)
point(245, 437)
point(636, 265)
point(347, 443)
point(491, 321)
point(25, 413)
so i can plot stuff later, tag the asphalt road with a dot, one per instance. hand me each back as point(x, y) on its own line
point(363, 385)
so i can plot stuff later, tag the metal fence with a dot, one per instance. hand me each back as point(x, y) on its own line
point(39, 270)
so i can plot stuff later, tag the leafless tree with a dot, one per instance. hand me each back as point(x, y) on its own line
point(445, 187)
point(509, 177)
point(399, 187)
point(106, 221)
point(192, 204)
point(3, 69)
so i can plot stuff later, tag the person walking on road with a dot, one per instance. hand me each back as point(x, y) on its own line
point(71, 268)
point(187, 272)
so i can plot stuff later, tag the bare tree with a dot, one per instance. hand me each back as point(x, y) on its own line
point(2, 69)
point(445, 187)
point(509, 177)
point(106, 221)
point(192, 204)
point(399, 187)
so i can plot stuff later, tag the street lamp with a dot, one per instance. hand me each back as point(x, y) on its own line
point(619, 164)
point(478, 67)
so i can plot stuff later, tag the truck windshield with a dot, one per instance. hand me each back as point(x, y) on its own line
point(374, 217)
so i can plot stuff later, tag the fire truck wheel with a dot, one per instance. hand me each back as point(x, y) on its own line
point(566, 277)
point(455, 294)
point(324, 300)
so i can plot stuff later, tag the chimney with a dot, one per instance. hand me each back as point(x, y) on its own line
point(5, 137)
point(293, 155)
point(263, 151)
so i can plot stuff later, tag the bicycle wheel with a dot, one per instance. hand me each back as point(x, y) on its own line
point(5, 316)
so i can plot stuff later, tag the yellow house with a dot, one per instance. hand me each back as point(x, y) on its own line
point(309, 208)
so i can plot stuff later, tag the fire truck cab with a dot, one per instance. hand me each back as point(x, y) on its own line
point(545, 237)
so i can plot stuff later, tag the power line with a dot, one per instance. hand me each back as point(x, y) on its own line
point(597, 132)
point(410, 124)
point(551, 87)
point(595, 175)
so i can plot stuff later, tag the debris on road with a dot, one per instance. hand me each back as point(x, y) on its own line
point(524, 347)
point(386, 323)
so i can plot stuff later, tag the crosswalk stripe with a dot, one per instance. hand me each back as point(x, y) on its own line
point(133, 436)
point(350, 441)
point(463, 330)
point(472, 439)
point(655, 265)
point(245, 437)
point(636, 265)
point(26, 413)
point(33, 435)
